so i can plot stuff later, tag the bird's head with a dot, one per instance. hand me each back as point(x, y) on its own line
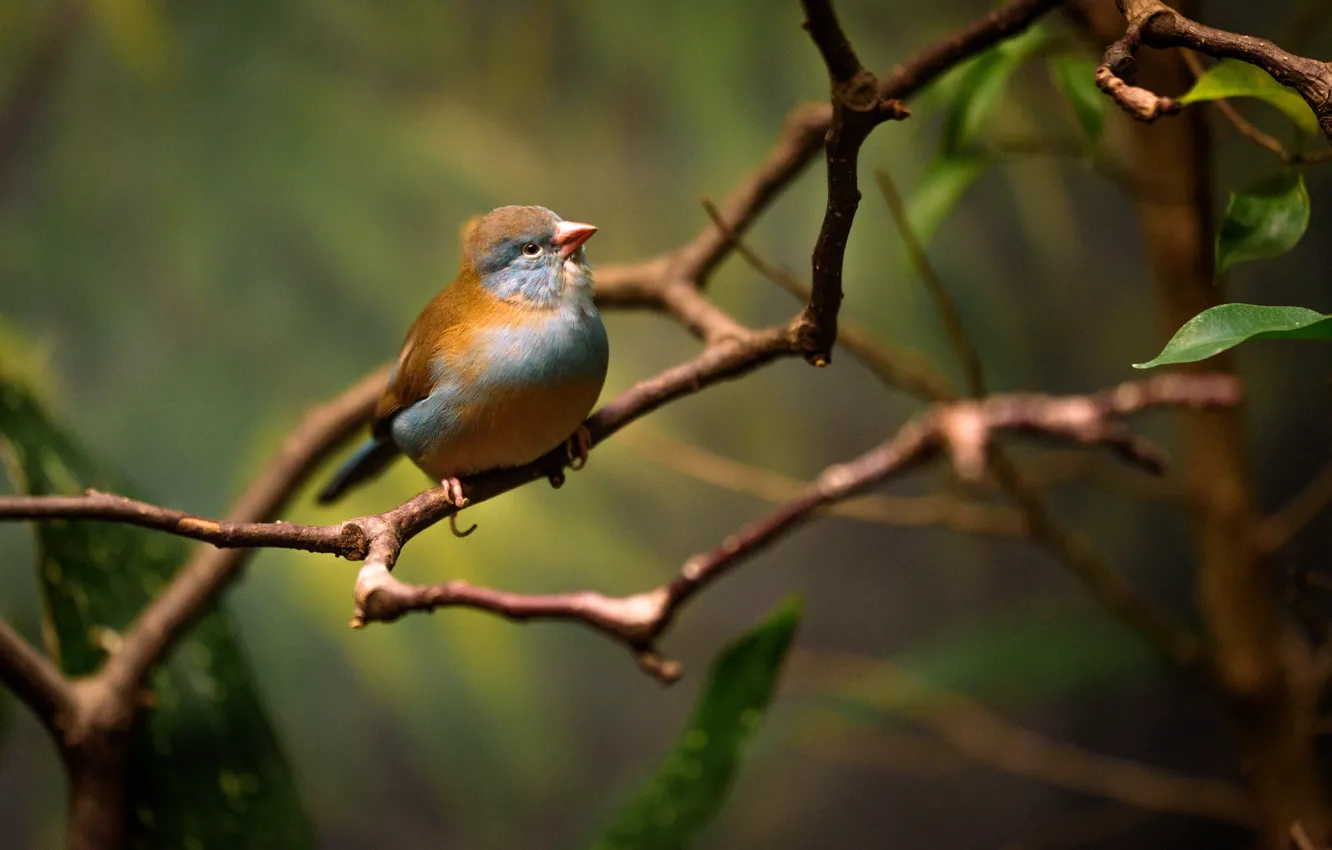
point(528, 255)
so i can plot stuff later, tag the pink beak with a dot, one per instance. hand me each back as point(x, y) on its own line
point(570, 235)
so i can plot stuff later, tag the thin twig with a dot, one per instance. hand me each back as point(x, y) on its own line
point(978, 733)
point(1276, 531)
point(944, 303)
point(897, 366)
point(936, 509)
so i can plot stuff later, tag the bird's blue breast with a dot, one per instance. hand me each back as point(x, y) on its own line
point(569, 344)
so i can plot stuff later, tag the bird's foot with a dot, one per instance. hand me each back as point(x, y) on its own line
point(577, 446)
point(453, 489)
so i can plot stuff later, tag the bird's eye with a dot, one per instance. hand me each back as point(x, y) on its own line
point(532, 249)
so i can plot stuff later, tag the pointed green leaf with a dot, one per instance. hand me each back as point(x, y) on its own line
point(981, 86)
point(1076, 77)
point(689, 785)
point(1233, 78)
point(207, 768)
point(1264, 222)
point(939, 191)
point(1227, 325)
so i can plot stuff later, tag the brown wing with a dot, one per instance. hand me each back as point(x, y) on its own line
point(412, 381)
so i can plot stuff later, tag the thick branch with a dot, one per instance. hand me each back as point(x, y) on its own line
point(1155, 24)
point(857, 108)
point(1000, 24)
point(32, 678)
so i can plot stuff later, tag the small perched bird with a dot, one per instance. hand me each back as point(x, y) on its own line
point(503, 365)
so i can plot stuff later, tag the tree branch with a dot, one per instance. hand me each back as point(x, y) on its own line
point(1155, 24)
point(944, 304)
point(857, 108)
point(32, 678)
point(942, 509)
point(1072, 551)
point(195, 588)
point(895, 366)
point(962, 429)
point(1000, 24)
point(976, 732)
point(1274, 532)
point(899, 368)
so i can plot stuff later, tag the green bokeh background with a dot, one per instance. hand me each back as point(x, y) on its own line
point(226, 213)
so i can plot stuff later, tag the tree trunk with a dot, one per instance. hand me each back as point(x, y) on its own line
point(97, 778)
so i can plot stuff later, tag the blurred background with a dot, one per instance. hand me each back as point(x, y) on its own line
point(221, 214)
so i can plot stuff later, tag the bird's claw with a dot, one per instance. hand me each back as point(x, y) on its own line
point(453, 526)
point(577, 447)
point(453, 492)
point(453, 489)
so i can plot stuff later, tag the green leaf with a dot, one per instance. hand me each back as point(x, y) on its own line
point(1233, 78)
point(939, 191)
point(1264, 222)
point(691, 782)
point(1075, 75)
point(1227, 325)
point(981, 86)
point(207, 768)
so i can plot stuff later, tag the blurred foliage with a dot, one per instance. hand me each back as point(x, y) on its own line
point(207, 769)
point(979, 85)
point(1075, 74)
point(1263, 222)
point(689, 786)
point(940, 190)
point(1013, 661)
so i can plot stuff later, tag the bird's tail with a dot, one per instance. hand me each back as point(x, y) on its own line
point(365, 463)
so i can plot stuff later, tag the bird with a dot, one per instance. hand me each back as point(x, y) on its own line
point(502, 366)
